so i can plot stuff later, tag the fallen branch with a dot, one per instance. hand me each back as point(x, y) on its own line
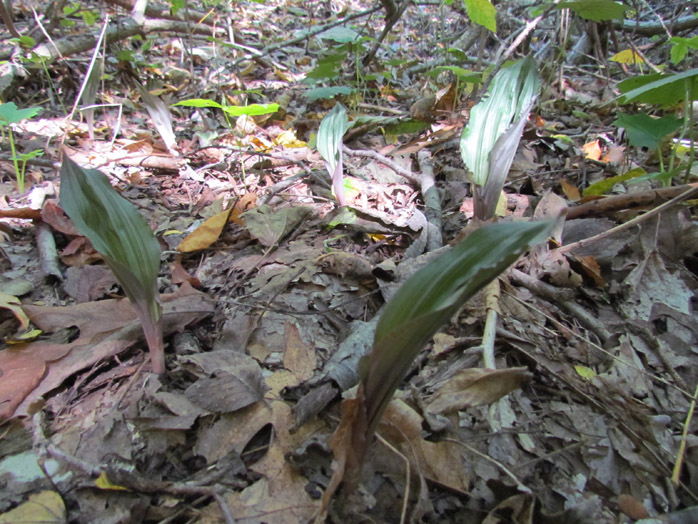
point(627, 201)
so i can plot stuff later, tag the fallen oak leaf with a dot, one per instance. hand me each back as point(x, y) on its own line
point(107, 327)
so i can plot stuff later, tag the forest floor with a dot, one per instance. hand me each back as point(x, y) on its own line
point(269, 304)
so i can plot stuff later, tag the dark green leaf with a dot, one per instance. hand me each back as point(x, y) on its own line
point(659, 89)
point(121, 235)
point(431, 296)
point(646, 131)
point(326, 92)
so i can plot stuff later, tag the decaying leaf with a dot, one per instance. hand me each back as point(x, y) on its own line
point(107, 327)
point(13, 304)
point(229, 381)
point(269, 226)
point(46, 507)
point(476, 387)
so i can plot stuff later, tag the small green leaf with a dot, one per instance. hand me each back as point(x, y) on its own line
point(604, 186)
point(122, 236)
point(585, 372)
point(328, 67)
point(199, 102)
point(9, 114)
point(339, 34)
point(483, 13)
point(252, 109)
point(430, 297)
point(464, 75)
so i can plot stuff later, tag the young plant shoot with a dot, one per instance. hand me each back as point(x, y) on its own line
point(329, 144)
point(490, 139)
point(424, 303)
point(122, 236)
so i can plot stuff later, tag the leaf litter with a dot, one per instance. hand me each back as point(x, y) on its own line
point(595, 349)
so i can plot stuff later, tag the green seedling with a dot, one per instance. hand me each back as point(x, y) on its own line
point(643, 130)
point(490, 139)
point(424, 303)
point(665, 90)
point(122, 236)
point(329, 145)
point(9, 114)
point(231, 111)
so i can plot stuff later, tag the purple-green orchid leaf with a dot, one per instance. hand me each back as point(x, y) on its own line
point(428, 300)
point(122, 236)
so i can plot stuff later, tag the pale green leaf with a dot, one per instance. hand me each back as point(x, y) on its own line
point(596, 10)
point(9, 114)
point(483, 13)
point(497, 121)
point(329, 145)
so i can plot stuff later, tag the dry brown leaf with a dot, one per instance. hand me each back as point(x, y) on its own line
point(348, 445)
point(206, 234)
point(571, 191)
point(279, 496)
point(299, 357)
point(57, 219)
point(476, 387)
point(107, 327)
point(592, 150)
point(518, 509)
point(440, 462)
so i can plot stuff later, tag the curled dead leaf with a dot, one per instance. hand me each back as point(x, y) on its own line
point(476, 387)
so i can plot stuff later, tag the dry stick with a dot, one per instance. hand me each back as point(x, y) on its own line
point(7, 18)
point(520, 485)
point(530, 26)
point(676, 473)
point(406, 496)
point(88, 74)
point(390, 20)
point(619, 202)
point(631, 223)
point(48, 254)
point(432, 201)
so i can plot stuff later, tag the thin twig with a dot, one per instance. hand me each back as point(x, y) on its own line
point(631, 223)
point(501, 466)
point(684, 436)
